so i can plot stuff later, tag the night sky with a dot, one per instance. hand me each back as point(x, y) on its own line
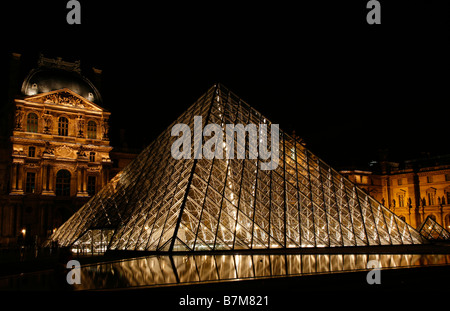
point(349, 89)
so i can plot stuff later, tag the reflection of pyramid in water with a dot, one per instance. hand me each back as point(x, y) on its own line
point(159, 203)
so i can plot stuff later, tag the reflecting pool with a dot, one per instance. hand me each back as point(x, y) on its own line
point(155, 270)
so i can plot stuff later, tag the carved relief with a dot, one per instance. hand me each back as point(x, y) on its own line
point(64, 98)
point(81, 152)
point(65, 152)
point(94, 169)
point(48, 149)
point(18, 118)
point(59, 63)
point(61, 166)
point(80, 126)
point(48, 124)
point(105, 128)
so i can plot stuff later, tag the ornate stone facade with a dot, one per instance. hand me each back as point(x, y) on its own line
point(413, 190)
point(57, 154)
point(55, 131)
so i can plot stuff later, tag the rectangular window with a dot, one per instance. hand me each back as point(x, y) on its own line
point(401, 200)
point(63, 126)
point(62, 185)
point(91, 185)
point(31, 152)
point(429, 179)
point(32, 123)
point(399, 181)
point(92, 130)
point(30, 184)
point(430, 198)
point(447, 177)
point(92, 156)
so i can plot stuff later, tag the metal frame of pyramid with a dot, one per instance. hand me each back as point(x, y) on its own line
point(431, 230)
point(158, 203)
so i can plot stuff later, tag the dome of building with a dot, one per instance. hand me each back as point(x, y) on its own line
point(47, 78)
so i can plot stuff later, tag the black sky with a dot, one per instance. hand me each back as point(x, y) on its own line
point(346, 87)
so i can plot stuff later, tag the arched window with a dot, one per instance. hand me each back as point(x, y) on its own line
point(63, 126)
point(63, 183)
point(32, 123)
point(92, 130)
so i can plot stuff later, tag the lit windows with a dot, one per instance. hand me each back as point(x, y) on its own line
point(63, 126)
point(32, 123)
point(92, 130)
point(30, 184)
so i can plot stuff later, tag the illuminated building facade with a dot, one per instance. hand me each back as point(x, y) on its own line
point(414, 190)
point(55, 150)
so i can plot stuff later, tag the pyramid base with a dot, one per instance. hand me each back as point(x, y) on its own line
point(436, 248)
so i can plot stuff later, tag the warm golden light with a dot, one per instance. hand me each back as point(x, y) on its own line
point(232, 204)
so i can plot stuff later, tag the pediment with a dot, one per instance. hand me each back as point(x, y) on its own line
point(64, 97)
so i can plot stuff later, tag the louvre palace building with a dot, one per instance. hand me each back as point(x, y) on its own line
point(413, 189)
point(60, 181)
point(55, 148)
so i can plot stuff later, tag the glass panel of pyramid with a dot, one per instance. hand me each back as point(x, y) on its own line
point(431, 230)
point(160, 203)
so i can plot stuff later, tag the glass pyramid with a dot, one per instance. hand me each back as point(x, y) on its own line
point(431, 230)
point(159, 203)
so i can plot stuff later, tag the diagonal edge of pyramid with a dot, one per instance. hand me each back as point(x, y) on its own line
point(431, 230)
point(173, 237)
point(86, 218)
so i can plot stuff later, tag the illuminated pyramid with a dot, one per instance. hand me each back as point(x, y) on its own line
point(431, 230)
point(159, 203)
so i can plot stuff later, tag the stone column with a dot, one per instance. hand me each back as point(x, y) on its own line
point(20, 178)
point(79, 178)
point(17, 177)
point(47, 180)
point(44, 178)
point(50, 176)
point(84, 180)
point(13, 177)
point(81, 182)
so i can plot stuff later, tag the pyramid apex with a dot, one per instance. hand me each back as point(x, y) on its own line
point(163, 204)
